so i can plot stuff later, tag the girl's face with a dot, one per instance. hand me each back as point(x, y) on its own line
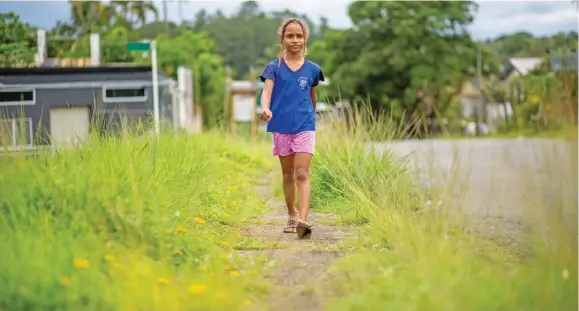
point(294, 38)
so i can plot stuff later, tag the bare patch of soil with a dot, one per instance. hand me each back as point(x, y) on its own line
point(300, 267)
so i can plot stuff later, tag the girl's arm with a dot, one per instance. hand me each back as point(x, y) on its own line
point(314, 96)
point(266, 94)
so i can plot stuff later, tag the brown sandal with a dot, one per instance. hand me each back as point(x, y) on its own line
point(304, 230)
point(291, 226)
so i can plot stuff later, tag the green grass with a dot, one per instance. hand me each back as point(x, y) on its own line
point(144, 224)
point(410, 258)
point(134, 224)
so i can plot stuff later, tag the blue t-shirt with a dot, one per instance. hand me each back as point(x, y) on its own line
point(291, 102)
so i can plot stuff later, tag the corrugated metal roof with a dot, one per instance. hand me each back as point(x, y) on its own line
point(70, 70)
point(525, 64)
point(62, 75)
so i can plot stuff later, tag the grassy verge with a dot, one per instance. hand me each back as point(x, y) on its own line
point(134, 224)
point(413, 258)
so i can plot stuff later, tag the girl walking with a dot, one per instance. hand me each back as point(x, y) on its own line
point(288, 103)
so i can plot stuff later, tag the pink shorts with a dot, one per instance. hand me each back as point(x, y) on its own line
point(288, 144)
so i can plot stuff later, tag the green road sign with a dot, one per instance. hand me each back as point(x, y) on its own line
point(138, 46)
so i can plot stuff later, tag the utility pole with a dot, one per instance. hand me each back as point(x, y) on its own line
point(155, 85)
point(165, 18)
point(479, 113)
point(151, 47)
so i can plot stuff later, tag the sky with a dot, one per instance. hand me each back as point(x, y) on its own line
point(493, 18)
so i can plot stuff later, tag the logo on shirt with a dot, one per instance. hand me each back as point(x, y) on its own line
point(303, 81)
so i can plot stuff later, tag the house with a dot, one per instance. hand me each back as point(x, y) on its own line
point(519, 66)
point(54, 106)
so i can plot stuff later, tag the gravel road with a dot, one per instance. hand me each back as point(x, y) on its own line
point(501, 179)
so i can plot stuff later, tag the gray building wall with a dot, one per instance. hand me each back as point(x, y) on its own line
point(52, 91)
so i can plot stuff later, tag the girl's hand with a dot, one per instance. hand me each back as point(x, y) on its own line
point(265, 114)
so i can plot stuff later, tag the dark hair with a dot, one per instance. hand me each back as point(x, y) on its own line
point(281, 33)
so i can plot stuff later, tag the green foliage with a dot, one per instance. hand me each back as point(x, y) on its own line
point(543, 100)
point(524, 44)
point(249, 37)
point(137, 224)
point(412, 257)
point(197, 51)
point(393, 50)
point(113, 43)
point(96, 16)
point(398, 48)
point(17, 41)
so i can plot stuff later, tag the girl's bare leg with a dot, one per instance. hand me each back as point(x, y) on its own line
point(289, 184)
point(302, 162)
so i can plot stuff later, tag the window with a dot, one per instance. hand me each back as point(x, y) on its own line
point(120, 94)
point(17, 97)
point(15, 132)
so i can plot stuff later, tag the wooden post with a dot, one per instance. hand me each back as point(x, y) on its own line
point(253, 106)
point(240, 88)
point(228, 100)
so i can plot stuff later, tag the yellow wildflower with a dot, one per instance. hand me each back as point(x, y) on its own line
point(197, 288)
point(534, 99)
point(232, 188)
point(246, 302)
point(233, 203)
point(65, 280)
point(199, 220)
point(81, 263)
point(176, 252)
point(178, 228)
point(233, 272)
point(198, 238)
point(226, 215)
point(109, 257)
point(163, 281)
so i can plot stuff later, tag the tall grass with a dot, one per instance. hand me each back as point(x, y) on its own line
point(130, 224)
point(138, 223)
point(412, 257)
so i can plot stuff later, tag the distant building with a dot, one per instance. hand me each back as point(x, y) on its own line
point(519, 66)
point(44, 106)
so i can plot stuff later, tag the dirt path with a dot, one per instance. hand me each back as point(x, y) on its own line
point(300, 266)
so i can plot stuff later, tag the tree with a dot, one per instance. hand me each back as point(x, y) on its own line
point(248, 38)
point(135, 12)
point(17, 42)
point(398, 48)
point(152, 30)
point(90, 16)
point(196, 51)
point(524, 44)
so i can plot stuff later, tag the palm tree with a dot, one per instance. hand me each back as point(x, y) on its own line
point(90, 16)
point(135, 12)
